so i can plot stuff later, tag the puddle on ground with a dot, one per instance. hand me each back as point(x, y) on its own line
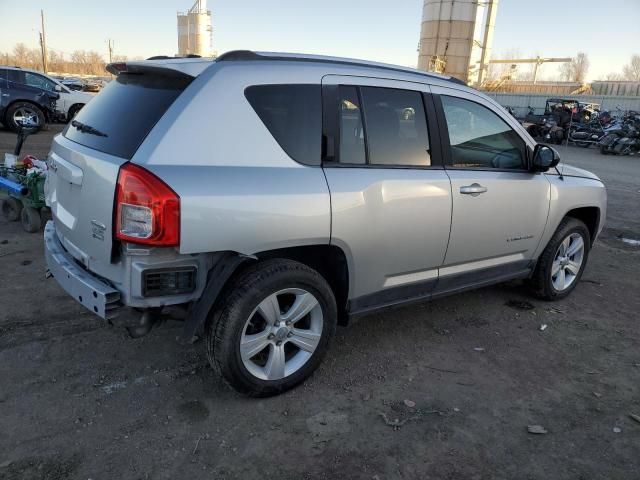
point(630, 241)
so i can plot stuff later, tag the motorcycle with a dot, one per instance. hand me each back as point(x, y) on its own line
point(623, 140)
point(591, 134)
point(551, 132)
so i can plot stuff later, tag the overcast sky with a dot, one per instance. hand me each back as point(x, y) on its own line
point(388, 31)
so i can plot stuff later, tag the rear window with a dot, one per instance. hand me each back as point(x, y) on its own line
point(293, 115)
point(125, 111)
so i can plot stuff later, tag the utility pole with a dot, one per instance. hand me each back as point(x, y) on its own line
point(43, 44)
point(110, 50)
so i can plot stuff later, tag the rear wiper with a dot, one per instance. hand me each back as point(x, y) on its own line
point(87, 129)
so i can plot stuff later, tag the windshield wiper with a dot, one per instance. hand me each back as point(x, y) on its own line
point(87, 129)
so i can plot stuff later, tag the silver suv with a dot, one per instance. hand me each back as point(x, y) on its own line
point(273, 196)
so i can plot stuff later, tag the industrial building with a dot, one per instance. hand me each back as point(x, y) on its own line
point(195, 32)
point(456, 37)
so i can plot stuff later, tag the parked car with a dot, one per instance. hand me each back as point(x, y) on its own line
point(304, 198)
point(70, 101)
point(25, 105)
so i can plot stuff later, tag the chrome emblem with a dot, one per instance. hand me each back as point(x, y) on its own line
point(97, 230)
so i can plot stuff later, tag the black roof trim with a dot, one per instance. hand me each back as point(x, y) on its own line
point(247, 55)
point(167, 57)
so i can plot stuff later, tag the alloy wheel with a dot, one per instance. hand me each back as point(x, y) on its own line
point(26, 117)
point(567, 262)
point(281, 334)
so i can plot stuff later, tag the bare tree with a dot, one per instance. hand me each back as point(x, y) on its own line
point(80, 62)
point(632, 71)
point(614, 76)
point(55, 61)
point(576, 70)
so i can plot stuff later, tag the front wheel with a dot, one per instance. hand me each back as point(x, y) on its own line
point(562, 262)
point(273, 329)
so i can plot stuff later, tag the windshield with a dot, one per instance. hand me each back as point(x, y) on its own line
point(125, 111)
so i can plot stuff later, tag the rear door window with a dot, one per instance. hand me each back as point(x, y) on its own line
point(396, 127)
point(121, 116)
point(382, 127)
point(352, 146)
point(15, 76)
point(293, 115)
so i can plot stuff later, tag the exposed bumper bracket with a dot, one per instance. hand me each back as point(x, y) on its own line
point(91, 291)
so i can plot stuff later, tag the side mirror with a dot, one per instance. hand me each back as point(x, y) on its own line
point(57, 88)
point(544, 158)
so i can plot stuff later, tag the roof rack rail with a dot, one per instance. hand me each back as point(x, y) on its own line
point(247, 55)
point(167, 57)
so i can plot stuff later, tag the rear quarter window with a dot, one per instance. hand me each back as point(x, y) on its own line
point(126, 110)
point(293, 115)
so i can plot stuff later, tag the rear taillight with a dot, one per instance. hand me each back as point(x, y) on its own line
point(147, 210)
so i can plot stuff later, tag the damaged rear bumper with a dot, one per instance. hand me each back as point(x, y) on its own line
point(91, 291)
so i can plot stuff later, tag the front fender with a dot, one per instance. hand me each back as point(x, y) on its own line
point(569, 193)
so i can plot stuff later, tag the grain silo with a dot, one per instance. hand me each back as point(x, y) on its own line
point(456, 36)
point(195, 31)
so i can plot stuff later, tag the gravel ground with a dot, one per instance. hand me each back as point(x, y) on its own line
point(444, 390)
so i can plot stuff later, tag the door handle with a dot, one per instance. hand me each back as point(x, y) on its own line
point(474, 189)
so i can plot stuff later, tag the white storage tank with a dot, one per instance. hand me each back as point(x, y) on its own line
point(195, 31)
point(456, 37)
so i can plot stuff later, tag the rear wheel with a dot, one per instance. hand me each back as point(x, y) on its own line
point(11, 209)
point(24, 114)
point(30, 219)
point(562, 262)
point(273, 329)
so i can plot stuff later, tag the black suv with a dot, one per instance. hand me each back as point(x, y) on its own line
point(22, 104)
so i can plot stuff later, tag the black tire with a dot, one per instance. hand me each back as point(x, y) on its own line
point(9, 118)
point(227, 323)
point(30, 219)
point(73, 111)
point(541, 281)
point(11, 209)
point(533, 130)
point(604, 150)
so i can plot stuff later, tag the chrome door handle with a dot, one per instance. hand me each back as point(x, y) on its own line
point(474, 189)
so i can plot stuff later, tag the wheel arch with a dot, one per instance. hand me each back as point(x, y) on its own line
point(590, 216)
point(77, 105)
point(329, 261)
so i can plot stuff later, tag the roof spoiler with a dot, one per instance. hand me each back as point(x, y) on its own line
point(141, 68)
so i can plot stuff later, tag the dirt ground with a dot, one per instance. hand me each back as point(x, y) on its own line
point(79, 399)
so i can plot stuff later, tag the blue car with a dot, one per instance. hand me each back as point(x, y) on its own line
point(23, 104)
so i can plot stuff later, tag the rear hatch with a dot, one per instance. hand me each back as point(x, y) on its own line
point(85, 159)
